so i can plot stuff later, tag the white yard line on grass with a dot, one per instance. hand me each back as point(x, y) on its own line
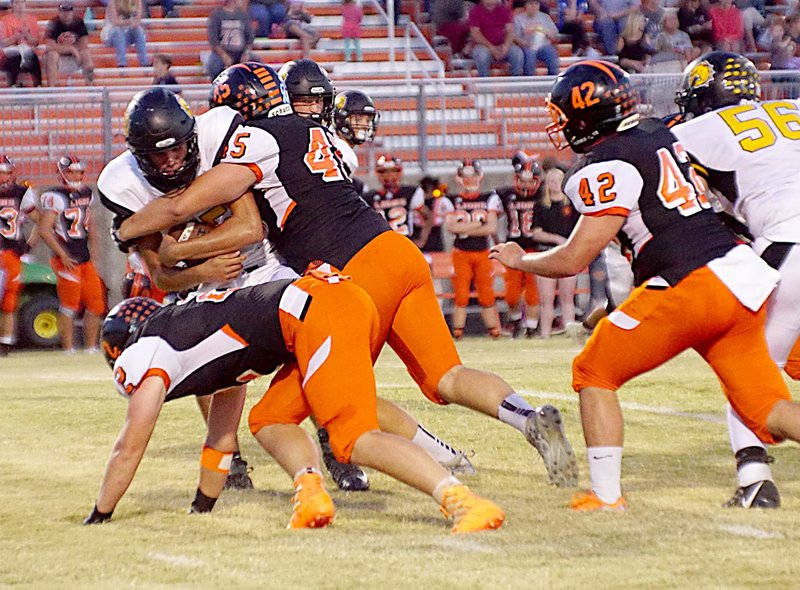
point(743, 530)
point(181, 560)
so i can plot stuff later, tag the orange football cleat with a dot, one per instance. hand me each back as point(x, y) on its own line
point(313, 507)
point(470, 512)
point(589, 502)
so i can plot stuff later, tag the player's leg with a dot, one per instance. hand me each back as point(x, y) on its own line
point(531, 305)
point(274, 421)
point(95, 304)
point(483, 271)
point(221, 442)
point(462, 280)
point(513, 280)
point(9, 293)
point(68, 289)
point(566, 298)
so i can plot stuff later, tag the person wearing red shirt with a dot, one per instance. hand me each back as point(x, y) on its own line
point(727, 26)
point(491, 26)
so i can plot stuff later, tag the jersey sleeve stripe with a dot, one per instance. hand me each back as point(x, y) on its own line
point(289, 209)
point(255, 170)
point(610, 211)
point(154, 372)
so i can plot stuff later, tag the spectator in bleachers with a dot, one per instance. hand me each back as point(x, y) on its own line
point(20, 37)
point(492, 31)
point(298, 26)
point(535, 32)
point(554, 220)
point(727, 26)
point(123, 27)
point(672, 44)
point(610, 18)
point(753, 21)
point(450, 19)
point(352, 15)
point(266, 14)
point(634, 48)
point(162, 74)
point(783, 47)
point(230, 36)
point(9, 62)
point(570, 22)
point(653, 14)
point(695, 21)
point(66, 37)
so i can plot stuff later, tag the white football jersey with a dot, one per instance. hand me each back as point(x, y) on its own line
point(347, 153)
point(123, 186)
point(751, 153)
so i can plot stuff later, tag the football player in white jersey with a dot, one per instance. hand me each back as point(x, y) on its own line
point(747, 151)
point(168, 148)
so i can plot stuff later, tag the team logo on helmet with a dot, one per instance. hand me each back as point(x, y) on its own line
point(184, 105)
point(341, 99)
point(701, 75)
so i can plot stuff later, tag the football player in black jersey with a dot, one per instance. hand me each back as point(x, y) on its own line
point(314, 215)
point(221, 339)
point(634, 179)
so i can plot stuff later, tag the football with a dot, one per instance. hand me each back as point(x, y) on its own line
point(188, 231)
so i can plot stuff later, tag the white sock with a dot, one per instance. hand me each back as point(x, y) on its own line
point(440, 450)
point(532, 323)
point(447, 482)
point(742, 437)
point(8, 340)
point(605, 471)
point(514, 411)
point(514, 316)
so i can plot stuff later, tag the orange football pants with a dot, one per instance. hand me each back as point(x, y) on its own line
point(332, 345)
point(10, 281)
point(82, 284)
point(514, 280)
point(792, 366)
point(654, 325)
point(468, 267)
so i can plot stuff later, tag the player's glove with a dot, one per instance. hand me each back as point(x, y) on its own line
point(97, 517)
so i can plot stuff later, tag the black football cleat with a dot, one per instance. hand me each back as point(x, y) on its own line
point(239, 475)
point(349, 478)
point(761, 494)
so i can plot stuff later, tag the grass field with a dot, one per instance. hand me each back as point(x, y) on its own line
point(60, 416)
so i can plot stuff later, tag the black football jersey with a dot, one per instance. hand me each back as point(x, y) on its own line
point(11, 219)
point(520, 215)
point(475, 208)
point(645, 175)
point(397, 208)
point(216, 340)
point(305, 196)
point(72, 222)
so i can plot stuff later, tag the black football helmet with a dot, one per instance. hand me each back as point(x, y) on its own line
point(527, 173)
point(121, 322)
point(253, 89)
point(70, 172)
point(157, 120)
point(717, 79)
point(590, 100)
point(349, 104)
point(306, 79)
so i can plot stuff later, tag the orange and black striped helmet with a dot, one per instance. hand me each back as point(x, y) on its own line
point(589, 101)
point(121, 322)
point(253, 89)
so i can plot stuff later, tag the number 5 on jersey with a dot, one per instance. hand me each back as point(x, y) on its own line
point(320, 159)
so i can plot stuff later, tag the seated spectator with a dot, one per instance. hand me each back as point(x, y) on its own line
point(695, 21)
point(672, 44)
point(298, 26)
point(634, 49)
point(653, 15)
point(450, 19)
point(162, 76)
point(610, 18)
point(123, 27)
point(753, 20)
point(492, 31)
point(266, 14)
point(536, 32)
point(20, 38)
point(230, 36)
point(67, 38)
point(783, 47)
point(727, 26)
point(570, 22)
point(9, 63)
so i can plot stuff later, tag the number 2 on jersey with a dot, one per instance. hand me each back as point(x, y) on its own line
point(319, 158)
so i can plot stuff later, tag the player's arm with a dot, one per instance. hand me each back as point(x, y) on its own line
point(47, 230)
point(427, 225)
point(241, 229)
point(143, 409)
point(487, 227)
point(454, 225)
point(222, 184)
point(217, 269)
point(587, 240)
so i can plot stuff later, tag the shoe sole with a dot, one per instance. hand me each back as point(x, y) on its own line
point(545, 431)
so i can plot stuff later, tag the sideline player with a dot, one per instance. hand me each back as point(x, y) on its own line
point(473, 220)
point(314, 215)
point(635, 178)
point(222, 338)
point(519, 201)
point(66, 227)
point(751, 163)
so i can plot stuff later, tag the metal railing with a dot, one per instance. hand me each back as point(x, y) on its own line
point(430, 123)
